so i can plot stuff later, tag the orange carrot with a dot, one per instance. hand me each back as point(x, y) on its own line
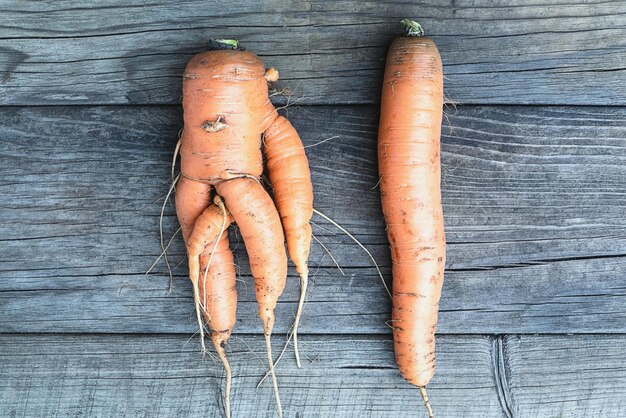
point(410, 173)
point(211, 268)
point(192, 198)
point(226, 112)
point(293, 194)
point(208, 227)
point(218, 293)
point(259, 223)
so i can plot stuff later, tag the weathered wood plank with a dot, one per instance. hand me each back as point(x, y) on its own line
point(563, 297)
point(534, 204)
point(113, 52)
point(573, 376)
point(346, 376)
point(149, 376)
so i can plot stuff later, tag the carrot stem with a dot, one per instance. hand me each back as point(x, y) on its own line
point(219, 44)
point(412, 28)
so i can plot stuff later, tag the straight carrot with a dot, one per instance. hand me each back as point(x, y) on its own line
point(410, 173)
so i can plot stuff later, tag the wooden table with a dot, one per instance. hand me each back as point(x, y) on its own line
point(533, 315)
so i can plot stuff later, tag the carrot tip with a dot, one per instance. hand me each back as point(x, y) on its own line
point(412, 28)
point(268, 349)
point(426, 401)
point(219, 341)
point(304, 279)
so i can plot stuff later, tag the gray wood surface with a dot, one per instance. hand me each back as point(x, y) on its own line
point(160, 375)
point(533, 313)
point(347, 376)
point(534, 206)
point(565, 376)
point(534, 52)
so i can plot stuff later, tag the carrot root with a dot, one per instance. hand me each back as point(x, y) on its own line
point(219, 341)
point(290, 176)
point(332, 257)
point(176, 151)
point(304, 281)
point(194, 267)
point(426, 401)
point(342, 229)
point(268, 349)
point(280, 356)
point(220, 204)
point(163, 249)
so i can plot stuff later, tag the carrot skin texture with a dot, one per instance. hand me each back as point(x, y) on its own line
point(410, 173)
point(207, 227)
point(192, 198)
point(255, 214)
point(290, 176)
point(218, 291)
point(228, 87)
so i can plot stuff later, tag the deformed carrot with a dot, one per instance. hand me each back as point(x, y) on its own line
point(226, 112)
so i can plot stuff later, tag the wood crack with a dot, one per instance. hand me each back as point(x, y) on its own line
point(499, 366)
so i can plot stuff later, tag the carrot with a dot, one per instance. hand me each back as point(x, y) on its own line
point(208, 229)
point(293, 194)
point(410, 173)
point(211, 268)
point(218, 293)
point(226, 112)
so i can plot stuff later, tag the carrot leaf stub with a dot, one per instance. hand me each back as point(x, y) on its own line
point(412, 28)
point(222, 44)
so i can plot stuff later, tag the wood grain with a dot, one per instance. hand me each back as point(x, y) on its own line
point(566, 376)
point(116, 52)
point(347, 376)
point(533, 198)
